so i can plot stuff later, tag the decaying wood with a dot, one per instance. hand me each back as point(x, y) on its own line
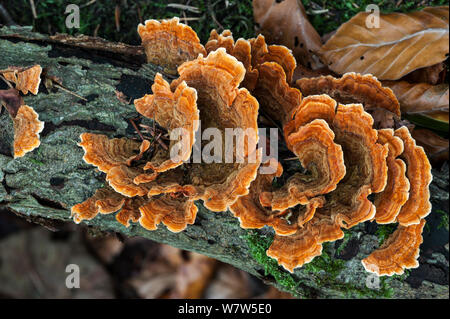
point(43, 185)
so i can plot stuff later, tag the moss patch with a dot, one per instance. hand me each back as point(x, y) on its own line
point(258, 245)
point(384, 231)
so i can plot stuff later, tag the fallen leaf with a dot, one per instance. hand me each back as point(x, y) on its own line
point(285, 22)
point(26, 79)
point(34, 265)
point(435, 146)
point(193, 277)
point(229, 282)
point(421, 97)
point(11, 100)
point(434, 74)
point(402, 43)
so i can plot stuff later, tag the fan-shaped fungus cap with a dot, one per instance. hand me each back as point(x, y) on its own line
point(26, 131)
point(419, 175)
point(261, 53)
point(311, 107)
point(364, 159)
point(352, 88)
point(314, 145)
point(121, 179)
point(223, 106)
point(130, 211)
point(241, 50)
point(104, 201)
point(366, 168)
point(253, 214)
point(173, 210)
point(300, 248)
point(169, 43)
point(389, 202)
point(106, 153)
point(400, 251)
point(25, 79)
point(276, 98)
point(178, 113)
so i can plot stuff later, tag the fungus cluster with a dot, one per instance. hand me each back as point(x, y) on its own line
point(355, 169)
point(27, 126)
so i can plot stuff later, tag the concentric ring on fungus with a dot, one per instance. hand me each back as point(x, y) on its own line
point(314, 145)
point(222, 105)
point(253, 214)
point(418, 171)
point(398, 252)
point(389, 202)
point(347, 205)
point(175, 111)
point(169, 43)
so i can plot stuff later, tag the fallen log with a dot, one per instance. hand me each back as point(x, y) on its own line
point(43, 185)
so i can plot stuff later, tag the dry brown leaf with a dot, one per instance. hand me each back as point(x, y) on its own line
point(435, 146)
point(421, 97)
point(11, 100)
point(229, 282)
point(286, 23)
point(401, 44)
point(434, 74)
point(193, 277)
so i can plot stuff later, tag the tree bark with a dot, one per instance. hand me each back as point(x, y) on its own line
point(44, 184)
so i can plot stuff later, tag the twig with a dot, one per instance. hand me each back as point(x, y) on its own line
point(88, 4)
point(183, 7)
point(136, 129)
point(33, 9)
point(70, 92)
point(213, 15)
point(152, 133)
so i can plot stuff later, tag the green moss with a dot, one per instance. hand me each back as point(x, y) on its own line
point(444, 219)
point(345, 240)
point(383, 232)
point(258, 245)
point(330, 267)
point(35, 161)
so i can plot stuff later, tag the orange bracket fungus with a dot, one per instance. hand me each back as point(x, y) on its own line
point(26, 131)
point(222, 106)
point(389, 202)
point(105, 153)
point(352, 87)
point(332, 131)
point(172, 210)
point(25, 79)
point(27, 126)
point(314, 145)
point(398, 252)
point(418, 171)
point(174, 111)
point(169, 43)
